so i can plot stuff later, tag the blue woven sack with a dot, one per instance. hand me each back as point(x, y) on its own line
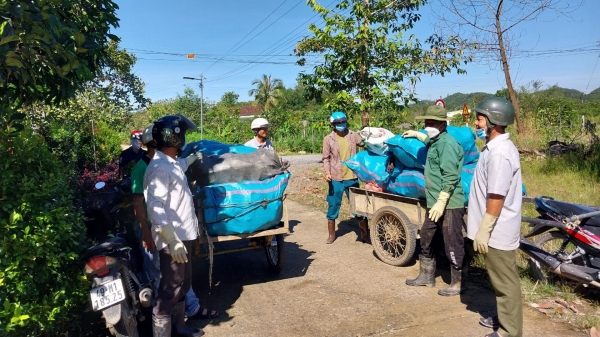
point(466, 138)
point(411, 152)
point(245, 207)
point(409, 183)
point(369, 167)
point(466, 176)
point(211, 147)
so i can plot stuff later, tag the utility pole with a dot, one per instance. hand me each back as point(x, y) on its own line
point(201, 79)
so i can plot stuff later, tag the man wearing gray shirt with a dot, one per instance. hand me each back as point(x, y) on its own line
point(494, 213)
point(174, 224)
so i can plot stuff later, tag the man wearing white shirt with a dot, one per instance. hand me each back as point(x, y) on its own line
point(494, 213)
point(260, 126)
point(174, 224)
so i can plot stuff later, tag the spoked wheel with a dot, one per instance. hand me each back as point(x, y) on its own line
point(275, 252)
point(393, 236)
point(552, 243)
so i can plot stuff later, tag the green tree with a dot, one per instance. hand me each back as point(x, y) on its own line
point(230, 98)
point(48, 49)
point(268, 91)
point(369, 62)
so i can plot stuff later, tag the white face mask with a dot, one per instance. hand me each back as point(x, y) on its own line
point(432, 132)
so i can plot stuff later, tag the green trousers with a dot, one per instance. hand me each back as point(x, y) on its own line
point(502, 269)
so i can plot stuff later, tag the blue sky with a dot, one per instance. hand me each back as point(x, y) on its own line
point(236, 42)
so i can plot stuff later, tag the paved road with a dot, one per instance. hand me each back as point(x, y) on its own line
point(339, 290)
point(308, 159)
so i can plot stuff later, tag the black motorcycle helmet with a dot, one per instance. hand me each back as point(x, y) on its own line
point(169, 131)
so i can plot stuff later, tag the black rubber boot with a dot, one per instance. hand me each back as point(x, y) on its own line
point(331, 231)
point(426, 275)
point(364, 231)
point(161, 327)
point(458, 282)
point(180, 329)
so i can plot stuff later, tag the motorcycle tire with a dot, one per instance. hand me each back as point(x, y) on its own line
point(550, 242)
point(127, 326)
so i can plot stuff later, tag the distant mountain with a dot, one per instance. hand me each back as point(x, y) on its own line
point(457, 100)
point(594, 95)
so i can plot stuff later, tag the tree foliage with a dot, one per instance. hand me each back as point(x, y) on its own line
point(371, 61)
point(268, 91)
point(49, 48)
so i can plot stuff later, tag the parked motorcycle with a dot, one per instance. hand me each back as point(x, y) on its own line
point(114, 264)
point(568, 242)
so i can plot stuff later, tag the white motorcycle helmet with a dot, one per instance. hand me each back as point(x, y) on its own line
point(259, 123)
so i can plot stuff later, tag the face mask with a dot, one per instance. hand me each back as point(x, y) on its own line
point(432, 132)
point(481, 134)
point(135, 144)
point(340, 127)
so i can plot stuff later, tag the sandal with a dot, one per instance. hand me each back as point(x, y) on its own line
point(490, 322)
point(493, 334)
point(204, 313)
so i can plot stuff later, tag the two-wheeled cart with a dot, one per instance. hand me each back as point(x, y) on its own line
point(271, 240)
point(394, 222)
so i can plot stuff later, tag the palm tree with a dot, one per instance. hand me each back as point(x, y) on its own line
point(268, 91)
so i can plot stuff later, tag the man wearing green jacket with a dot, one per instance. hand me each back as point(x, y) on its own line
point(445, 202)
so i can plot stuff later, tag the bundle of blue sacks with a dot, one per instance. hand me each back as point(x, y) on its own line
point(239, 207)
point(409, 156)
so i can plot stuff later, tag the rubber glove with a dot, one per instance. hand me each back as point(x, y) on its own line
point(435, 213)
point(414, 134)
point(480, 243)
point(176, 246)
point(193, 157)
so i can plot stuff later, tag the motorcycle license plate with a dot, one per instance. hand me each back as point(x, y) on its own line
point(107, 295)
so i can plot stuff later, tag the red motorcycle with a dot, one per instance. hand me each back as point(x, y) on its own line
point(567, 243)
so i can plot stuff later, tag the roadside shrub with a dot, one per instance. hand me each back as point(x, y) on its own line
point(41, 285)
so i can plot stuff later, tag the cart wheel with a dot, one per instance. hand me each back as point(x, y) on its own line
point(393, 236)
point(276, 253)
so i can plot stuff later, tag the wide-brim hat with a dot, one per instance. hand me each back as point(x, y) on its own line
point(434, 112)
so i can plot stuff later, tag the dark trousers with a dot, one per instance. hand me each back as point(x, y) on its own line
point(175, 281)
point(452, 224)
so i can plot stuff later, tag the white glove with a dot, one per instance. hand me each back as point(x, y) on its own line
point(414, 134)
point(480, 243)
point(176, 246)
point(435, 213)
point(193, 157)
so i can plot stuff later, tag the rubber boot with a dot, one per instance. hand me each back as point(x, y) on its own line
point(427, 273)
point(458, 282)
point(161, 327)
point(331, 230)
point(180, 329)
point(364, 231)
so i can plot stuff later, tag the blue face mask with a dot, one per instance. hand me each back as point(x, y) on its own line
point(481, 134)
point(340, 127)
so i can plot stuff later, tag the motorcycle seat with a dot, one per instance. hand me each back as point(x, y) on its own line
point(108, 245)
point(592, 224)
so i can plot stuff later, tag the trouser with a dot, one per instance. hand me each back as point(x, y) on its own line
point(502, 269)
point(175, 281)
point(452, 224)
point(335, 195)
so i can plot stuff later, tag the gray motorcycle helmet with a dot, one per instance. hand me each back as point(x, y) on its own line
point(499, 111)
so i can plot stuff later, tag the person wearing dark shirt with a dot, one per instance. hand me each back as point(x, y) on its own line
point(132, 154)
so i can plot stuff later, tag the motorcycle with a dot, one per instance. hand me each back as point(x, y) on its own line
point(114, 264)
point(567, 243)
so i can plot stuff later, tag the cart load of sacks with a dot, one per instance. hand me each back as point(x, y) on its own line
point(408, 155)
point(241, 189)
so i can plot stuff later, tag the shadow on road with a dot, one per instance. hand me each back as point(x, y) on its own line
point(233, 271)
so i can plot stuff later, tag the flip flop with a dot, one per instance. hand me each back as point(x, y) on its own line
point(209, 314)
point(490, 322)
point(493, 334)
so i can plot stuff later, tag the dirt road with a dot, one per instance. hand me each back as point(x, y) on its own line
point(340, 289)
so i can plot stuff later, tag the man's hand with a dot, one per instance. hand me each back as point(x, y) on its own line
point(147, 240)
point(176, 246)
point(436, 212)
point(480, 243)
point(391, 166)
point(328, 177)
point(193, 157)
point(414, 134)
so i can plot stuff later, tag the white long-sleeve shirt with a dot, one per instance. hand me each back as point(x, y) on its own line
point(169, 199)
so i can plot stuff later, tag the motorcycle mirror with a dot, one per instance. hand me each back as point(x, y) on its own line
point(99, 185)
